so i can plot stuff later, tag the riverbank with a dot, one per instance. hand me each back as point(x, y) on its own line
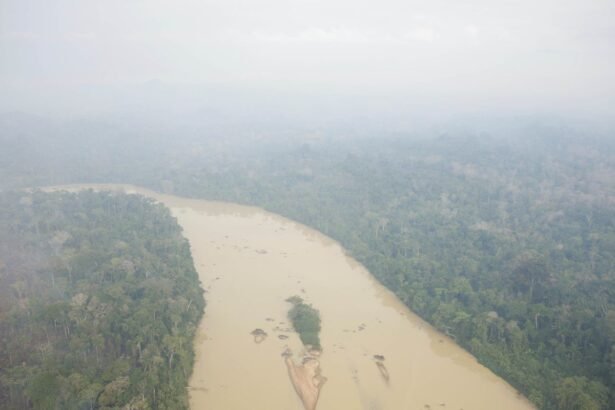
point(250, 260)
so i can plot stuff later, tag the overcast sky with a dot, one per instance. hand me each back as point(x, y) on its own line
point(525, 53)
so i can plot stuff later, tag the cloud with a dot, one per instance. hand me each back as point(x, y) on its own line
point(23, 35)
point(309, 35)
point(80, 36)
point(425, 34)
point(341, 36)
point(460, 51)
point(471, 31)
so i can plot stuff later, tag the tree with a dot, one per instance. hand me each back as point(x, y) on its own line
point(43, 391)
point(529, 273)
point(578, 393)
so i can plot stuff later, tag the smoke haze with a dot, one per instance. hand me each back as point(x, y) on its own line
point(394, 59)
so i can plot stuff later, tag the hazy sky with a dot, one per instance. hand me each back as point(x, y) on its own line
point(479, 53)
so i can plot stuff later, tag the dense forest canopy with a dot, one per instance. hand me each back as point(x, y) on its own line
point(462, 151)
point(504, 242)
point(99, 302)
point(306, 322)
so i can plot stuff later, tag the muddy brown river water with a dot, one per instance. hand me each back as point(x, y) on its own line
point(249, 261)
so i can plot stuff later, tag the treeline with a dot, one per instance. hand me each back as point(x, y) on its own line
point(99, 302)
point(505, 244)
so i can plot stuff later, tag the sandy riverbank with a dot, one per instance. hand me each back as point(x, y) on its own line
point(249, 261)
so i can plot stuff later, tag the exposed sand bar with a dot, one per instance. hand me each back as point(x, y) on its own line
point(249, 261)
point(306, 378)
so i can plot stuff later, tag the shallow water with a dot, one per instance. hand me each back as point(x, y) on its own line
point(249, 261)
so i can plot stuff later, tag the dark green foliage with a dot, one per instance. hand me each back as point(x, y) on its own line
point(578, 393)
point(306, 321)
point(99, 302)
point(43, 390)
point(508, 247)
point(505, 244)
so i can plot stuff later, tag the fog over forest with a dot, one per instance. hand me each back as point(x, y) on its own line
point(222, 204)
point(393, 63)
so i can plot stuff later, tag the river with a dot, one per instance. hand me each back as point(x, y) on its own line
point(250, 261)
